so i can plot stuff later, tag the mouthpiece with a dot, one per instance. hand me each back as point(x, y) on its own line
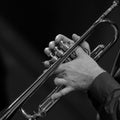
point(117, 2)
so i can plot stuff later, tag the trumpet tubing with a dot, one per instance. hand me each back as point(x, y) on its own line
point(47, 103)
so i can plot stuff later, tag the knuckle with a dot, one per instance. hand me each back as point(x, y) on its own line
point(75, 37)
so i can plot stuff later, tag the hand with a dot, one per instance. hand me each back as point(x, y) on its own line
point(77, 74)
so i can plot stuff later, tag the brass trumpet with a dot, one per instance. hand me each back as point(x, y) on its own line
point(47, 103)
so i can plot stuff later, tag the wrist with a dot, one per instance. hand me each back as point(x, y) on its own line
point(97, 71)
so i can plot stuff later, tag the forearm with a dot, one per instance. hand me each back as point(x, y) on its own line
point(105, 94)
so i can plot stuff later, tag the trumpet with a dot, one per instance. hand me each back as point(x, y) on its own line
point(47, 103)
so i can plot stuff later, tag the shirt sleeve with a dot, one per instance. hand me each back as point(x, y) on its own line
point(104, 94)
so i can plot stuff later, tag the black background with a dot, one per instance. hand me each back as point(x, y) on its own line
point(26, 28)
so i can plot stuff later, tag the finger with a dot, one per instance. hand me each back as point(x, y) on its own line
point(50, 54)
point(47, 51)
point(62, 92)
point(63, 38)
point(86, 47)
point(60, 81)
point(55, 49)
point(60, 69)
point(52, 45)
point(58, 52)
point(80, 52)
point(52, 50)
point(75, 37)
point(64, 42)
point(44, 70)
point(46, 63)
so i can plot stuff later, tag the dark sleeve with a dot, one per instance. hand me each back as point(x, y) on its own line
point(104, 94)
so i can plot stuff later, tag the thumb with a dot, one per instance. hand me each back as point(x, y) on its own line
point(85, 45)
point(80, 52)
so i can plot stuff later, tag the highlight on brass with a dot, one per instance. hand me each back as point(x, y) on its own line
point(47, 103)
